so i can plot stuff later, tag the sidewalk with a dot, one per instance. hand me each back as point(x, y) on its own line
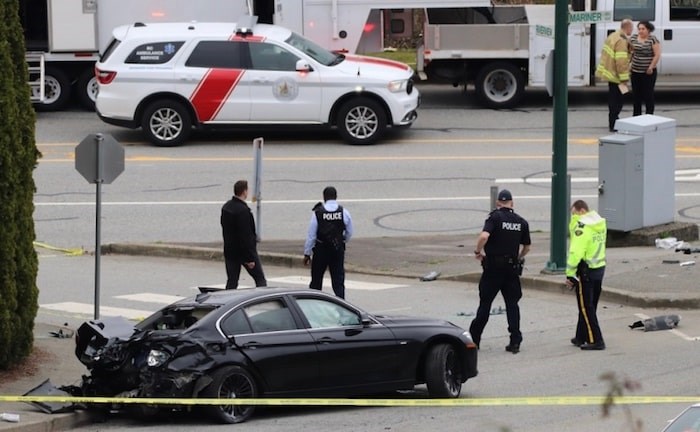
point(643, 276)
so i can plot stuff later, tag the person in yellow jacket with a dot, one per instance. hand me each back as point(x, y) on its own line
point(614, 67)
point(585, 268)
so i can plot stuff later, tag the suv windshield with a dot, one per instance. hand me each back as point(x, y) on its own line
point(318, 53)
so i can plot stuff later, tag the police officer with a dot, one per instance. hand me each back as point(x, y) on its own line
point(329, 229)
point(585, 268)
point(499, 250)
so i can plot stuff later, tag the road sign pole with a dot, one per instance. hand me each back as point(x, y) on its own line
point(257, 196)
point(98, 224)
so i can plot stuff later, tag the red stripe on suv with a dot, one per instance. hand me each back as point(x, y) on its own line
point(213, 91)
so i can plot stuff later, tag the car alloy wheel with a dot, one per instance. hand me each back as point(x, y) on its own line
point(442, 372)
point(361, 121)
point(166, 123)
point(231, 382)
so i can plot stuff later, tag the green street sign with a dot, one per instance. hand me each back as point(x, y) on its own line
point(590, 17)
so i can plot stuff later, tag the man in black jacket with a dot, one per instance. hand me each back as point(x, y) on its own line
point(240, 240)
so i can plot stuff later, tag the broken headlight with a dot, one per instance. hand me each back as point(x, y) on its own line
point(157, 358)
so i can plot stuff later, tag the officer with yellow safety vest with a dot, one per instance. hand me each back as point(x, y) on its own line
point(614, 67)
point(585, 268)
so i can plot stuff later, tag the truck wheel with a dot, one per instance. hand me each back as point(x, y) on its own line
point(56, 90)
point(87, 89)
point(442, 372)
point(166, 123)
point(361, 121)
point(500, 85)
point(231, 382)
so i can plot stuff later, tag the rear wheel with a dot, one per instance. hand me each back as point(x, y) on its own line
point(87, 89)
point(442, 372)
point(361, 121)
point(500, 85)
point(231, 382)
point(56, 90)
point(166, 123)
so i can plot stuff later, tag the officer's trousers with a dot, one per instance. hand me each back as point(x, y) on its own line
point(327, 257)
point(587, 296)
point(233, 271)
point(491, 282)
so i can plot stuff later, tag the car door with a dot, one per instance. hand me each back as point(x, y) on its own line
point(267, 333)
point(678, 30)
point(350, 354)
point(278, 92)
point(214, 80)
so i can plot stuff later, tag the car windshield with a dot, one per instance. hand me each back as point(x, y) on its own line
point(176, 317)
point(315, 51)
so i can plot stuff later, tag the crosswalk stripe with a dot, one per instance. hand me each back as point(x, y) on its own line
point(151, 298)
point(89, 309)
point(349, 284)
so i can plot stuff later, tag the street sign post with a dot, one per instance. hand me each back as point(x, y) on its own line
point(257, 181)
point(100, 159)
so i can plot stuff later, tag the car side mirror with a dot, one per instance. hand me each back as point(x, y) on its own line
point(365, 320)
point(303, 66)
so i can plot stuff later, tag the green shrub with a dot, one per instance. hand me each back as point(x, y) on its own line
point(18, 158)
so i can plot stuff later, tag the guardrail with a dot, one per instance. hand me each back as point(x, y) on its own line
point(35, 63)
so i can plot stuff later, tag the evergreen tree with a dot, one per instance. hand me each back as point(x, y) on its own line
point(18, 158)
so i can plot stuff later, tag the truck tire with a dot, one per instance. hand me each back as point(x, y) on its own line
point(56, 90)
point(500, 85)
point(166, 123)
point(361, 121)
point(87, 89)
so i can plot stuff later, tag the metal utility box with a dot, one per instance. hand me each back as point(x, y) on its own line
point(636, 169)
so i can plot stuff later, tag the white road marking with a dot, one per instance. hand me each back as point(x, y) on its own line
point(675, 331)
point(349, 284)
point(89, 309)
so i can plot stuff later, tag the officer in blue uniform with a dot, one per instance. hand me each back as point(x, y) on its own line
point(499, 250)
point(329, 229)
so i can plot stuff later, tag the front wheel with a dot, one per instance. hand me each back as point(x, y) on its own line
point(361, 121)
point(166, 123)
point(500, 85)
point(231, 382)
point(442, 372)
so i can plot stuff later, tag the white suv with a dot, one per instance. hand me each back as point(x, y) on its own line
point(170, 77)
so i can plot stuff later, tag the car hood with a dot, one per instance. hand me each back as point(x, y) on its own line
point(376, 68)
point(408, 321)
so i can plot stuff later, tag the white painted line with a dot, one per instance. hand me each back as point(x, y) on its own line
point(547, 180)
point(151, 298)
point(349, 284)
point(89, 309)
point(350, 200)
point(675, 331)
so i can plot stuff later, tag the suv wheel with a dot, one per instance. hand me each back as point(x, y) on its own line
point(361, 121)
point(166, 123)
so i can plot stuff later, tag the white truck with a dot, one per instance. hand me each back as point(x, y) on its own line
point(64, 37)
point(504, 49)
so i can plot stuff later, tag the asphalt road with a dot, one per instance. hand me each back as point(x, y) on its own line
point(441, 169)
point(663, 363)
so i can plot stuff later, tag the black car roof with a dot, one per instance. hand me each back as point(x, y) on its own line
point(222, 297)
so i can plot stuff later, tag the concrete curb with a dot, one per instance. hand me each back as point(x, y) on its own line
point(551, 284)
point(52, 422)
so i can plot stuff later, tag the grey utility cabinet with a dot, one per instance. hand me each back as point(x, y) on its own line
point(636, 173)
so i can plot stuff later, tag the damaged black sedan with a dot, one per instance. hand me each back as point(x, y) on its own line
point(271, 342)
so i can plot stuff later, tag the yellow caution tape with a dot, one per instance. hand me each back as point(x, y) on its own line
point(70, 252)
point(506, 401)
